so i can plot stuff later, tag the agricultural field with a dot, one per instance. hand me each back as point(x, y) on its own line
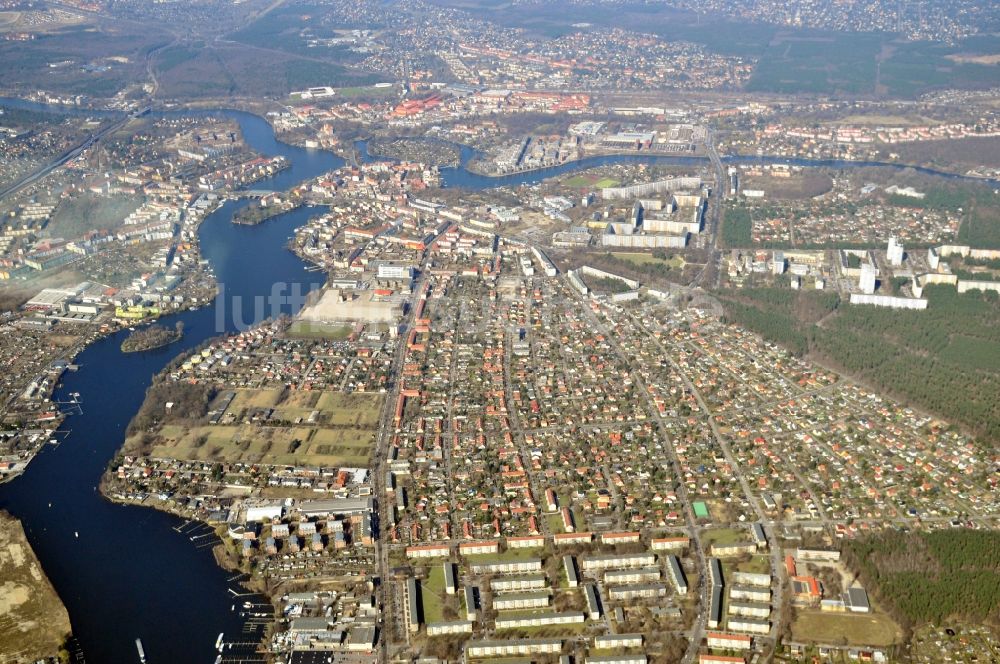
point(279, 427)
point(33, 622)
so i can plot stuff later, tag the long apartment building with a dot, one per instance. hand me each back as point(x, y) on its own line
point(591, 564)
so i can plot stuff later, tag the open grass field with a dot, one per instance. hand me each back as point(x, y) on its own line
point(432, 594)
point(582, 181)
point(75, 216)
point(724, 536)
point(33, 622)
point(310, 428)
point(304, 329)
point(675, 261)
point(366, 91)
point(875, 629)
point(756, 565)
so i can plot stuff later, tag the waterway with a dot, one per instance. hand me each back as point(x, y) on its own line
point(129, 574)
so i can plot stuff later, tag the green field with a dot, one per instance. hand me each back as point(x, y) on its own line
point(756, 565)
point(432, 594)
point(302, 329)
point(676, 261)
point(856, 629)
point(86, 212)
point(737, 227)
point(724, 536)
point(366, 91)
point(582, 181)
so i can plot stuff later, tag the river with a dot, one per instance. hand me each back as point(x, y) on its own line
point(129, 574)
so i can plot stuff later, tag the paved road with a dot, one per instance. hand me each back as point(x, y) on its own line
point(713, 218)
point(697, 631)
point(69, 155)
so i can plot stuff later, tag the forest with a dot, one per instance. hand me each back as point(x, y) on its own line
point(930, 577)
point(190, 402)
point(945, 359)
point(737, 227)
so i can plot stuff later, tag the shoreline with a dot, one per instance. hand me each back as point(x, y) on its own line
point(209, 107)
point(173, 337)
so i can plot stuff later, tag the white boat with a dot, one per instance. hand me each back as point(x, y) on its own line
point(218, 642)
point(142, 653)
point(76, 534)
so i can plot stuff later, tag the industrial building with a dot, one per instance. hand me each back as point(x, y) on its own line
point(366, 306)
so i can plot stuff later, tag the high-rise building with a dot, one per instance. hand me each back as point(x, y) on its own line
point(778, 263)
point(867, 281)
point(895, 252)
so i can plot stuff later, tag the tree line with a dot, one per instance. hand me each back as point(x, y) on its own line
point(942, 359)
point(930, 577)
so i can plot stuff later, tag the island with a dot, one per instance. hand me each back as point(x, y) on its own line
point(269, 207)
point(154, 336)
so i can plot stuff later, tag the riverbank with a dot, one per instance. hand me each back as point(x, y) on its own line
point(34, 624)
point(245, 262)
point(249, 261)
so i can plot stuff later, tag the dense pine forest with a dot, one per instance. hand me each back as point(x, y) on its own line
point(945, 359)
point(931, 577)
